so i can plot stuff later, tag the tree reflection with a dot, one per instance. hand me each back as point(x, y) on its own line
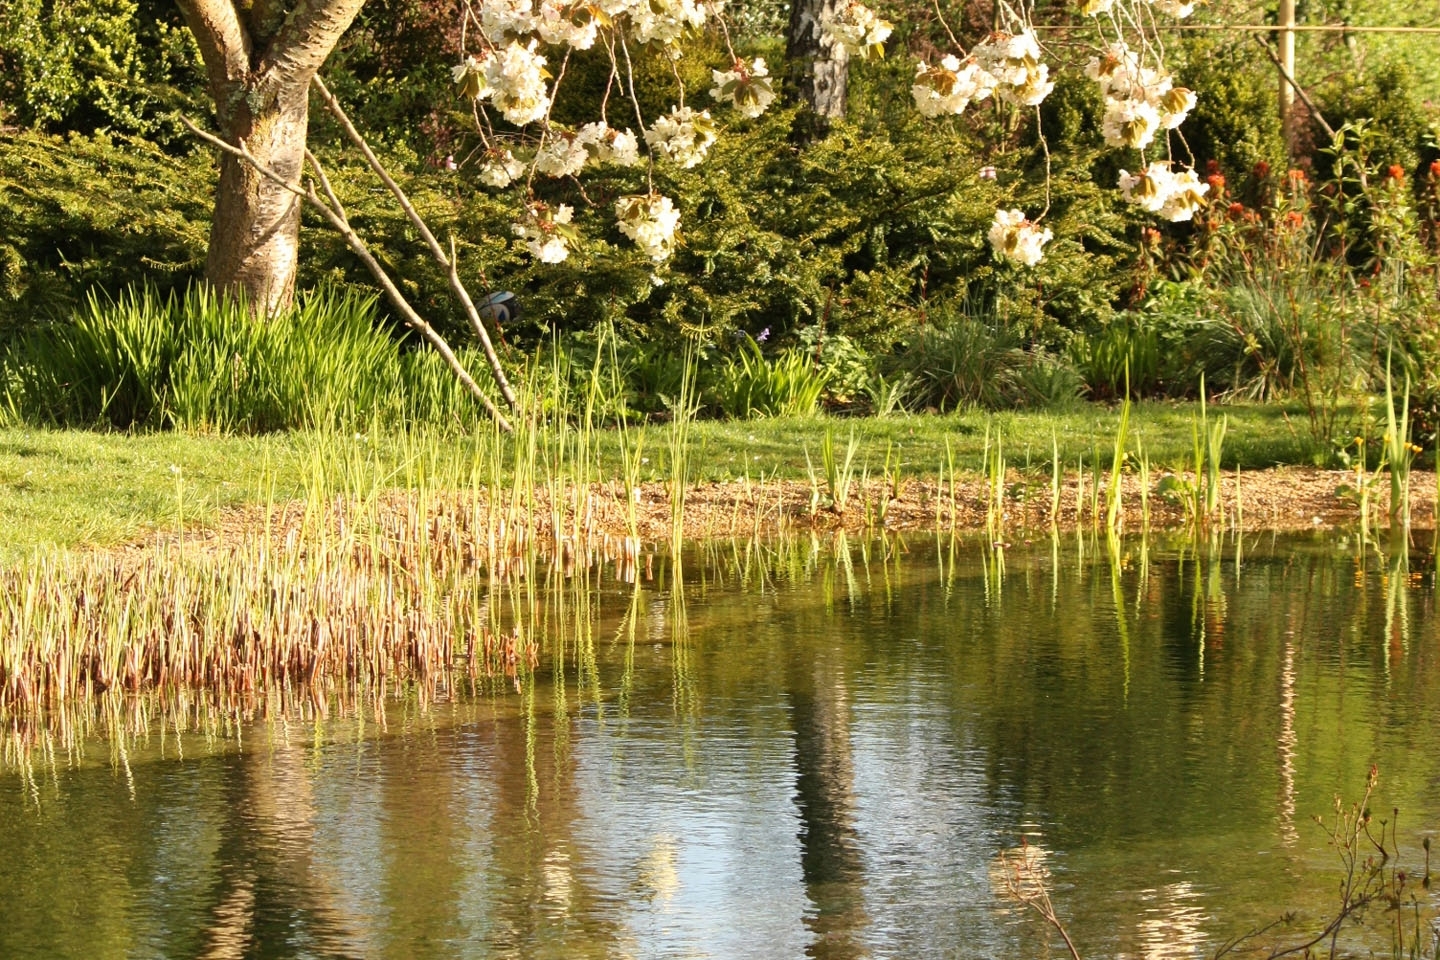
point(270, 893)
point(830, 858)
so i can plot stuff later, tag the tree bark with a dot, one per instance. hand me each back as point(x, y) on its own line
point(816, 73)
point(260, 56)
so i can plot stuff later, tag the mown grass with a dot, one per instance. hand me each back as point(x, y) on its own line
point(76, 487)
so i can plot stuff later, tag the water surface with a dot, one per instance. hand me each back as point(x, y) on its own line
point(805, 751)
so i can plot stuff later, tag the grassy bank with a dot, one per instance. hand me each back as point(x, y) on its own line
point(68, 488)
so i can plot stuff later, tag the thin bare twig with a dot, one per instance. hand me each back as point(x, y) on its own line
point(1025, 882)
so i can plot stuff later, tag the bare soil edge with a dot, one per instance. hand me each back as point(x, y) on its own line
point(1281, 499)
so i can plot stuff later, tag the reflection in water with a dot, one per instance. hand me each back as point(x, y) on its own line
point(268, 865)
point(824, 796)
point(1172, 923)
point(797, 750)
point(1287, 742)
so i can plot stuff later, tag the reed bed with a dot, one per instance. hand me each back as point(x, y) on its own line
point(420, 578)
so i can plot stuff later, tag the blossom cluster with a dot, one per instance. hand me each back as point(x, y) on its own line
point(1013, 60)
point(576, 23)
point(1004, 64)
point(746, 86)
point(1159, 189)
point(500, 168)
point(1139, 101)
point(546, 231)
point(856, 28)
point(1179, 9)
point(683, 135)
point(1018, 239)
point(651, 221)
point(565, 154)
point(608, 145)
point(511, 77)
point(950, 86)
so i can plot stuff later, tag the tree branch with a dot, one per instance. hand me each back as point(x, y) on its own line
point(457, 286)
point(224, 42)
point(303, 41)
point(1299, 90)
point(334, 212)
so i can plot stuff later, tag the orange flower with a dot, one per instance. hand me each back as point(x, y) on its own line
point(1396, 172)
point(1293, 219)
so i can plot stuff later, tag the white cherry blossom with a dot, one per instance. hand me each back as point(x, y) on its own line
point(682, 135)
point(1018, 239)
point(1129, 123)
point(856, 28)
point(500, 168)
point(746, 86)
point(470, 78)
point(546, 231)
point(570, 23)
point(517, 75)
point(1159, 189)
point(503, 19)
point(562, 155)
point(608, 145)
point(949, 86)
point(651, 221)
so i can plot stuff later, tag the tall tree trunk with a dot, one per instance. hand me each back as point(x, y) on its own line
point(816, 73)
point(255, 233)
point(260, 56)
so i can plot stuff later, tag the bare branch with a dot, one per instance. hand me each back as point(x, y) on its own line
point(1299, 90)
point(334, 212)
point(457, 286)
point(304, 40)
point(224, 42)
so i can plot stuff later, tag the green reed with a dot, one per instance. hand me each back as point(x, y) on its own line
point(1142, 457)
point(1113, 491)
point(1399, 451)
point(1209, 444)
point(839, 473)
point(1055, 471)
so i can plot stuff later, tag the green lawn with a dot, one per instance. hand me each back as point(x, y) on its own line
point(78, 487)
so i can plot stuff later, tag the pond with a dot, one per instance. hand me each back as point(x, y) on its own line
point(809, 748)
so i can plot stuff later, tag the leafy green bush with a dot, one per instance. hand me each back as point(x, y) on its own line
point(1234, 128)
point(117, 65)
point(1382, 102)
point(95, 212)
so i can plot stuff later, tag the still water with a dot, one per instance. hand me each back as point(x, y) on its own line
point(809, 749)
